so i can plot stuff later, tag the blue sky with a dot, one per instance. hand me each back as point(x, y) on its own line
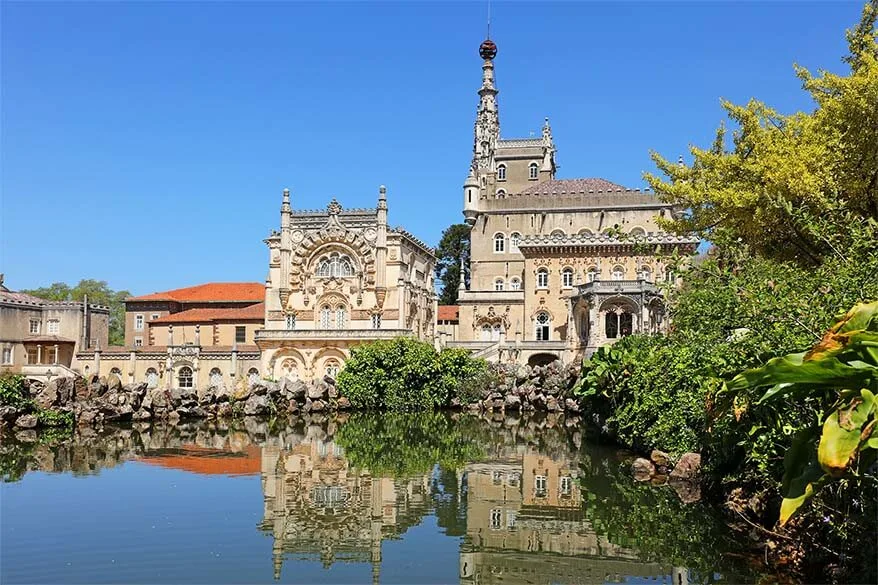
point(147, 144)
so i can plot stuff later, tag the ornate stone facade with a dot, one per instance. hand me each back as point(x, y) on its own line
point(558, 266)
point(339, 277)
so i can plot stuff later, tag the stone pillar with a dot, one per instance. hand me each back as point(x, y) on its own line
point(169, 370)
point(56, 360)
point(400, 301)
point(170, 335)
point(39, 354)
point(132, 361)
point(98, 360)
point(198, 334)
point(234, 360)
point(571, 326)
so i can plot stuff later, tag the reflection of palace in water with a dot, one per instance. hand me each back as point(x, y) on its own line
point(319, 507)
point(525, 524)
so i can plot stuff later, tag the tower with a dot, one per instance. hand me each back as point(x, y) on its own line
point(487, 127)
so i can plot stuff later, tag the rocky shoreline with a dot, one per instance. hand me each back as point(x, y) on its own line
point(98, 400)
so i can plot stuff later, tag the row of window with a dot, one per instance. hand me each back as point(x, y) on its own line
point(618, 273)
point(53, 326)
point(327, 322)
point(533, 171)
point(138, 321)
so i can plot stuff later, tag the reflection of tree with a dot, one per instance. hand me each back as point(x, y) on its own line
point(448, 493)
point(652, 521)
point(400, 445)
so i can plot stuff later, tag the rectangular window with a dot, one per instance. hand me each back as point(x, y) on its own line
point(240, 334)
point(510, 519)
point(291, 322)
point(32, 355)
point(7, 355)
point(53, 326)
point(566, 485)
point(496, 519)
point(138, 342)
point(540, 483)
point(34, 326)
point(138, 322)
point(543, 278)
point(376, 321)
point(154, 316)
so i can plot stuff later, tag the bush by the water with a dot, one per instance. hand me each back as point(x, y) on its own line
point(406, 374)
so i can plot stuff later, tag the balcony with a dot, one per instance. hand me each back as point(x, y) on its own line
point(267, 336)
point(627, 287)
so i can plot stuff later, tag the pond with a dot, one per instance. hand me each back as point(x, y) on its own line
point(391, 498)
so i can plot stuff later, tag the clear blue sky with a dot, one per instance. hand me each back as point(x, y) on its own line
point(147, 144)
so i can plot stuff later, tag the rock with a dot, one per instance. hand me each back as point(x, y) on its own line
point(318, 406)
point(114, 384)
point(498, 403)
point(224, 410)
point(495, 395)
point(184, 412)
point(642, 469)
point(571, 405)
point(256, 405)
point(688, 468)
point(343, 403)
point(316, 391)
point(688, 491)
point(293, 406)
point(329, 380)
point(272, 388)
point(27, 436)
point(294, 388)
point(660, 458)
point(8, 414)
point(222, 394)
point(512, 402)
point(332, 391)
point(259, 388)
point(158, 398)
point(26, 421)
point(455, 402)
point(307, 406)
point(552, 404)
point(141, 415)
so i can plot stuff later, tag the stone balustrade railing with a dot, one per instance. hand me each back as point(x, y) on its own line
point(365, 334)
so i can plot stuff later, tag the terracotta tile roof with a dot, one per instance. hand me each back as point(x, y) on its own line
point(556, 186)
point(9, 296)
point(254, 312)
point(209, 292)
point(47, 339)
point(448, 313)
point(206, 461)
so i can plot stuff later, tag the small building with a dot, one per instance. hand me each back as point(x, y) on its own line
point(191, 337)
point(447, 322)
point(40, 338)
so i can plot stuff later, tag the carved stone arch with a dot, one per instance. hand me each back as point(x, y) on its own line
point(334, 300)
point(619, 301)
point(542, 309)
point(354, 244)
point(286, 362)
point(327, 353)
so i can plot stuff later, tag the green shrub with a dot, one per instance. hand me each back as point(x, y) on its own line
point(405, 374)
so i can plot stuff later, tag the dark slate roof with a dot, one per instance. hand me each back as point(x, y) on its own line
point(587, 185)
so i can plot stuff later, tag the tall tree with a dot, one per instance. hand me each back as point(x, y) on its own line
point(789, 185)
point(452, 255)
point(98, 293)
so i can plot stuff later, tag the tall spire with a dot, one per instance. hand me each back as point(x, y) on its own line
point(487, 127)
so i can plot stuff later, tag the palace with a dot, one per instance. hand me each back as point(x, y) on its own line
point(558, 267)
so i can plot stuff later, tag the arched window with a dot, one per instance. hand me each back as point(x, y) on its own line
point(585, 232)
point(533, 171)
point(116, 372)
point(341, 317)
point(332, 368)
point(496, 331)
point(325, 317)
point(637, 232)
point(152, 378)
point(542, 326)
point(514, 284)
point(335, 265)
point(543, 278)
point(618, 324)
point(216, 377)
point(557, 233)
point(567, 277)
point(514, 240)
point(592, 274)
point(184, 377)
point(618, 272)
point(253, 375)
point(499, 284)
point(499, 243)
point(501, 193)
point(290, 321)
point(501, 172)
point(486, 332)
point(645, 273)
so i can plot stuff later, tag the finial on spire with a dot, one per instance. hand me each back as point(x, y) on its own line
point(487, 50)
point(680, 160)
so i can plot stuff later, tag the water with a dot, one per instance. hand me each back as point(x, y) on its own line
point(363, 498)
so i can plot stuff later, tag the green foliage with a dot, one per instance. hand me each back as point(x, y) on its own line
point(404, 445)
point(405, 374)
point(452, 256)
point(98, 292)
point(842, 366)
point(14, 393)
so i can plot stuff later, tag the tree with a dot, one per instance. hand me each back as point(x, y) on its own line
point(98, 293)
point(790, 184)
point(452, 254)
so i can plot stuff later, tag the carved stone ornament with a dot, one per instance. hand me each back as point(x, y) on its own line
point(297, 236)
point(334, 207)
point(370, 234)
point(184, 351)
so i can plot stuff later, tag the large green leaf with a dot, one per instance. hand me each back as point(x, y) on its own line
point(801, 473)
point(841, 435)
point(793, 369)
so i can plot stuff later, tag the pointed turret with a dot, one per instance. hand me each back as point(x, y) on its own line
point(470, 198)
point(487, 128)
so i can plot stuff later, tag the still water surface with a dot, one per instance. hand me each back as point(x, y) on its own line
point(362, 498)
